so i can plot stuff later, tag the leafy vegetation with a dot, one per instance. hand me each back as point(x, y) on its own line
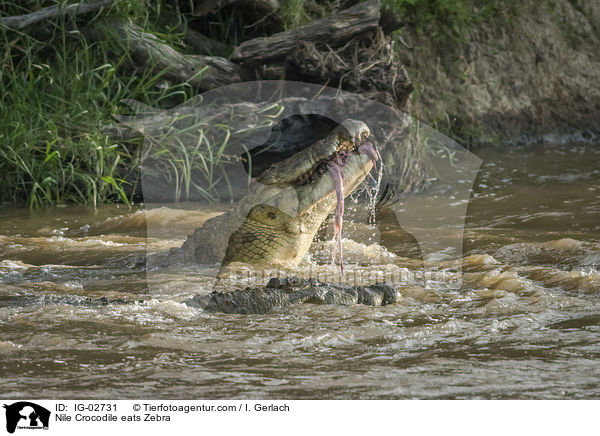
point(57, 90)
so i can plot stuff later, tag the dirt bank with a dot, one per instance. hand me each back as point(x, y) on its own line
point(533, 77)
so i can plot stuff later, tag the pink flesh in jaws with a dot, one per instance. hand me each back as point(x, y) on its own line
point(336, 168)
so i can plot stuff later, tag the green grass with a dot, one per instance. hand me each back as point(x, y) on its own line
point(56, 91)
point(194, 155)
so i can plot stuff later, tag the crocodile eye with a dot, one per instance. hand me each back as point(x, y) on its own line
point(294, 281)
point(267, 215)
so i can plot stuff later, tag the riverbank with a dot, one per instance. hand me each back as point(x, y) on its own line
point(532, 75)
point(498, 72)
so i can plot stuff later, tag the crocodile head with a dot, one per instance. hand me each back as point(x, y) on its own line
point(286, 205)
point(276, 221)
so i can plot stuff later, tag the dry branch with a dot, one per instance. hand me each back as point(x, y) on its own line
point(335, 30)
point(367, 66)
point(149, 53)
point(21, 21)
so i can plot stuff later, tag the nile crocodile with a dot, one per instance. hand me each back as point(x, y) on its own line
point(285, 292)
point(276, 221)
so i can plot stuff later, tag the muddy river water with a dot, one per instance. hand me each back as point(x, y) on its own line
point(524, 323)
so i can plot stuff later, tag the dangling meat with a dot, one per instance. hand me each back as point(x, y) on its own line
point(336, 168)
point(337, 173)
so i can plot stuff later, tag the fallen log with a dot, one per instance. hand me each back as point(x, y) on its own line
point(335, 30)
point(148, 52)
point(21, 21)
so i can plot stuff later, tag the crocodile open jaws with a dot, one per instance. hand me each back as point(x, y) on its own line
point(276, 221)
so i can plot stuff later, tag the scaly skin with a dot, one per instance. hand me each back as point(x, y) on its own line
point(276, 221)
point(280, 293)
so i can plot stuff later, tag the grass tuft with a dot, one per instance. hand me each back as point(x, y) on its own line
point(56, 92)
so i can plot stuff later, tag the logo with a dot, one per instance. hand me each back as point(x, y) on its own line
point(26, 415)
